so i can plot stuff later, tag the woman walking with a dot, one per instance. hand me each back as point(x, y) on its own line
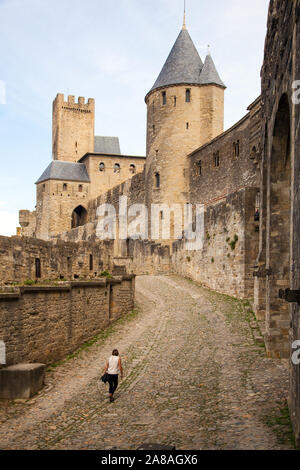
point(113, 368)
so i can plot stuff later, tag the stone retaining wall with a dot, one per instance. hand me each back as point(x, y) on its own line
point(46, 323)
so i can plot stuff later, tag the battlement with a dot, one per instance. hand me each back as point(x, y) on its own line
point(72, 104)
point(73, 127)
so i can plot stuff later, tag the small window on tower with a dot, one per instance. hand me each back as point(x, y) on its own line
point(188, 95)
point(65, 187)
point(157, 180)
point(153, 129)
point(132, 169)
point(164, 98)
point(199, 168)
point(101, 167)
point(187, 126)
point(80, 188)
point(175, 100)
point(117, 168)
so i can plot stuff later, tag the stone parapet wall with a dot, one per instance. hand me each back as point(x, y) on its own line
point(46, 323)
point(57, 259)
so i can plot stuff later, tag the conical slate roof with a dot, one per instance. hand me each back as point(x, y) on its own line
point(209, 74)
point(183, 66)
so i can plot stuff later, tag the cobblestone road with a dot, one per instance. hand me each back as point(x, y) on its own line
point(194, 378)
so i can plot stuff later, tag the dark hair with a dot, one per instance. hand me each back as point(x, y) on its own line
point(115, 352)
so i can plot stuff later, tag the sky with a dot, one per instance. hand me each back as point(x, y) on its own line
point(112, 51)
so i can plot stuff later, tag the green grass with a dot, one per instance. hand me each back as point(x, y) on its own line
point(279, 422)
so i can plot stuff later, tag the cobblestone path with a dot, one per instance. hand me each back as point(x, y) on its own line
point(194, 378)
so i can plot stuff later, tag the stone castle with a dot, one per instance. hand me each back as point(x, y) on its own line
point(246, 178)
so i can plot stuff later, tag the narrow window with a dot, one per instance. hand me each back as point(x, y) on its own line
point(187, 125)
point(157, 180)
point(65, 187)
point(199, 168)
point(153, 129)
point(161, 215)
point(132, 169)
point(91, 263)
point(37, 268)
point(44, 187)
point(257, 208)
point(164, 98)
point(101, 166)
point(175, 100)
point(80, 188)
point(236, 149)
point(187, 95)
point(217, 159)
point(117, 168)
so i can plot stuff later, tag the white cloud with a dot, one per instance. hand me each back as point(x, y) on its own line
point(8, 222)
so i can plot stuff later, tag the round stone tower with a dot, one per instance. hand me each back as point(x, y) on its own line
point(185, 109)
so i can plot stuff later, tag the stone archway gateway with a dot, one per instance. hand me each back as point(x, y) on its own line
point(79, 217)
point(278, 234)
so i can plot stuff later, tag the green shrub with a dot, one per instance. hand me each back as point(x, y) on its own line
point(29, 282)
point(105, 274)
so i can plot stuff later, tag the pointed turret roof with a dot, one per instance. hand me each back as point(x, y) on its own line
point(209, 74)
point(183, 66)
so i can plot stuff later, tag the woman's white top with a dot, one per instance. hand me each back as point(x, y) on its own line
point(113, 365)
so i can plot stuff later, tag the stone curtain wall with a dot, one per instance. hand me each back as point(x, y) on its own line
point(57, 259)
point(278, 261)
point(233, 172)
point(45, 324)
point(226, 262)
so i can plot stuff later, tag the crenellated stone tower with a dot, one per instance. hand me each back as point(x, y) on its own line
point(185, 109)
point(72, 128)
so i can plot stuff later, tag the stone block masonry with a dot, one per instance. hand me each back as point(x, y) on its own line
point(43, 324)
point(21, 381)
point(22, 258)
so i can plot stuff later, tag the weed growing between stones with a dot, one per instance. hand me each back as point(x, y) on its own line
point(279, 422)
